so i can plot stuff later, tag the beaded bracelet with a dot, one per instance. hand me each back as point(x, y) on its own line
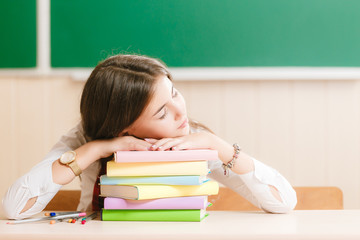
point(230, 164)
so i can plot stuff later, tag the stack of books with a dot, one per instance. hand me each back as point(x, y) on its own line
point(157, 186)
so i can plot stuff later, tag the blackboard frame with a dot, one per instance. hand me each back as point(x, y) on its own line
point(208, 33)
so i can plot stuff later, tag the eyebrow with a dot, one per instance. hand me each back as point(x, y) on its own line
point(172, 89)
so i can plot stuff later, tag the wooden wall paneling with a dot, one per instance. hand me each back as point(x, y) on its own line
point(309, 133)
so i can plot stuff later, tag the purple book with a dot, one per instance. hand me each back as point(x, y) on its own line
point(195, 202)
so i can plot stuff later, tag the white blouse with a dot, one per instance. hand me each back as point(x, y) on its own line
point(38, 183)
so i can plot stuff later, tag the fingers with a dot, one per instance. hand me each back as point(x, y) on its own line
point(182, 146)
point(151, 140)
point(130, 143)
point(171, 145)
point(159, 144)
point(140, 145)
point(166, 144)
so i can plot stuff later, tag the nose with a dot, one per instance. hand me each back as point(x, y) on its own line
point(178, 112)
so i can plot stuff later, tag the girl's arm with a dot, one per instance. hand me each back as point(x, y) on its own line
point(93, 151)
point(32, 192)
point(262, 185)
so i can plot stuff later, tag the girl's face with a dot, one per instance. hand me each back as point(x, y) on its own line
point(165, 116)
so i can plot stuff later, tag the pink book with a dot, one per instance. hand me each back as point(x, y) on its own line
point(166, 156)
point(196, 202)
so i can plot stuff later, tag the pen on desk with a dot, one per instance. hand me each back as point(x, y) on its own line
point(82, 214)
point(29, 220)
point(88, 218)
point(70, 215)
point(53, 214)
point(69, 220)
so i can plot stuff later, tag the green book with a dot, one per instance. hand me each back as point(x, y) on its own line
point(164, 215)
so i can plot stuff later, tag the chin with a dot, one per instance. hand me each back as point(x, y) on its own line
point(184, 131)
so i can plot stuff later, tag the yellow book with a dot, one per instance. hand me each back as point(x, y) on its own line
point(156, 168)
point(142, 192)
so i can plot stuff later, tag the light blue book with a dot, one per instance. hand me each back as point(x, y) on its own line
point(163, 180)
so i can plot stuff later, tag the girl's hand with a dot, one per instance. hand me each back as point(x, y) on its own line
point(93, 151)
point(123, 143)
point(204, 140)
point(200, 140)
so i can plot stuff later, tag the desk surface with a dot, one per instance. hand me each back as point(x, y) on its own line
point(313, 224)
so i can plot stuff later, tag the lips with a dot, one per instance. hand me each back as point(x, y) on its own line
point(184, 123)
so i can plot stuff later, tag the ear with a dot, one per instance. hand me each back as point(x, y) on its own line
point(125, 132)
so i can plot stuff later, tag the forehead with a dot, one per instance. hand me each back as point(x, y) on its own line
point(163, 83)
point(161, 95)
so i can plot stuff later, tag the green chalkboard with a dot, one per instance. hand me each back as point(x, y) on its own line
point(207, 33)
point(18, 33)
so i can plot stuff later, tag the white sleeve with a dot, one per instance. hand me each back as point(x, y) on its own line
point(254, 186)
point(38, 181)
point(88, 180)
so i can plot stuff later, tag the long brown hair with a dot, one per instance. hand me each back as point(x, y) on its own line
point(117, 92)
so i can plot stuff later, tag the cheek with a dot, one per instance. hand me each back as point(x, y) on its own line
point(164, 129)
point(182, 103)
point(157, 130)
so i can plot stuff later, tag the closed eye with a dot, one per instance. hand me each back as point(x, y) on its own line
point(164, 115)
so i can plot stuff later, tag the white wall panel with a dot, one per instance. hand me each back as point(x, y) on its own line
point(308, 130)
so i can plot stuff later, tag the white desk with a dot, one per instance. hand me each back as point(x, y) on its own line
point(333, 224)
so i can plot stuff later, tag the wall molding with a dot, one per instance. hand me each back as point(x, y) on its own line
point(209, 74)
